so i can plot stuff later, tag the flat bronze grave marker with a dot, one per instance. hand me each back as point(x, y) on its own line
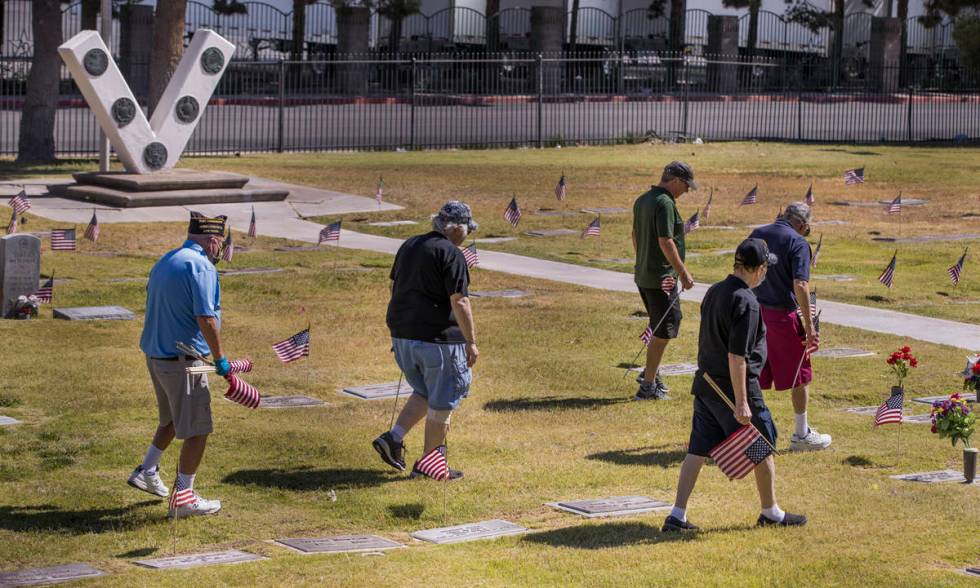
point(194, 560)
point(934, 477)
point(931, 399)
point(397, 223)
point(610, 507)
point(499, 294)
point(605, 210)
point(52, 575)
point(378, 391)
point(290, 402)
point(671, 369)
point(94, 313)
point(552, 232)
point(842, 352)
point(496, 240)
point(470, 532)
point(835, 277)
point(245, 271)
point(341, 544)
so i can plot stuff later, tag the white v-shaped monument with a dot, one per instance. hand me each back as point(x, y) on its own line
point(147, 146)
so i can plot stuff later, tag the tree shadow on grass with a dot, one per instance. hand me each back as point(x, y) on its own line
point(606, 535)
point(663, 456)
point(47, 517)
point(550, 403)
point(307, 478)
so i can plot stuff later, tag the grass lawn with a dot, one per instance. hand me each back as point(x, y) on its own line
point(548, 419)
point(613, 177)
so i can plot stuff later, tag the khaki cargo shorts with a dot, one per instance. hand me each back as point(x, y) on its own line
point(190, 414)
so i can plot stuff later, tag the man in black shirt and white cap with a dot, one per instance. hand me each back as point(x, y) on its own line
point(433, 337)
point(731, 351)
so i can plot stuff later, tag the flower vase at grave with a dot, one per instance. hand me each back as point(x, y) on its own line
point(897, 390)
point(970, 463)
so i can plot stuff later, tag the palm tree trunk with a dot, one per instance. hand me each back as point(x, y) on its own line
point(493, 25)
point(168, 47)
point(299, 30)
point(753, 39)
point(573, 30)
point(90, 15)
point(902, 12)
point(36, 141)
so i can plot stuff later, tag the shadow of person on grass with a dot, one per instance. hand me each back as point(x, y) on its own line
point(550, 403)
point(606, 535)
point(662, 455)
point(411, 511)
point(307, 478)
point(47, 517)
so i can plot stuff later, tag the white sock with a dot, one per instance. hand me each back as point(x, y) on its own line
point(398, 433)
point(802, 428)
point(774, 514)
point(152, 459)
point(679, 513)
point(184, 482)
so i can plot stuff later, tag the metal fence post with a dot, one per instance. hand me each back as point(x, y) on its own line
point(540, 98)
point(911, 96)
point(799, 115)
point(282, 104)
point(687, 85)
point(411, 131)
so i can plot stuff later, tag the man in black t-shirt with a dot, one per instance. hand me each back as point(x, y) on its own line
point(732, 351)
point(433, 336)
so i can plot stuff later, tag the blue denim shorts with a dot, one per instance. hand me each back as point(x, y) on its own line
point(435, 371)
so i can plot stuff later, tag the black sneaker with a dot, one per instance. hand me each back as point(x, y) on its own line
point(789, 520)
point(656, 380)
point(675, 525)
point(391, 451)
point(650, 391)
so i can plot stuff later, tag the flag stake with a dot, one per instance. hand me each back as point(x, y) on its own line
point(397, 393)
point(721, 394)
point(654, 330)
point(806, 352)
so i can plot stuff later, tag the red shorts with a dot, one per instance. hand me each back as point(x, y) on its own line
point(786, 341)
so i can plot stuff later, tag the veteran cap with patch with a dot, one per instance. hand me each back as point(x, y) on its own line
point(202, 225)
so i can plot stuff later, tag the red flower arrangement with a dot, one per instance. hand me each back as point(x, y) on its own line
point(901, 361)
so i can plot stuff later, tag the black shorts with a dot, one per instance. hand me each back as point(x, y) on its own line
point(657, 303)
point(714, 421)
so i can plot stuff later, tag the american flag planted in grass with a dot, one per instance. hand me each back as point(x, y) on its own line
point(92, 230)
point(20, 203)
point(693, 222)
point(63, 240)
point(228, 248)
point(330, 232)
point(956, 270)
point(513, 212)
point(181, 496)
point(251, 225)
point(890, 410)
point(293, 348)
point(752, 197)
point(854, 176)
point(707, 207)
point(242, 392)
point(816, 252)
point(896, 205)
point(741, 452)
point(593, 230)
point(471, 256)
point(433, 464)
point(887, 277)
point(240, 366)
point(560, 189)
point(809, 196)
point(45, 293)
point(379, 194)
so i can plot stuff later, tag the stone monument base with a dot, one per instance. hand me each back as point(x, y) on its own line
point(178, 187)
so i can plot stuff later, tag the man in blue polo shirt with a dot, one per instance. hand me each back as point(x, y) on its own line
point(790, 332)
point(183, 304)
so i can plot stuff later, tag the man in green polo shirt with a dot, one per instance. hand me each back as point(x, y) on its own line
point(658, 239)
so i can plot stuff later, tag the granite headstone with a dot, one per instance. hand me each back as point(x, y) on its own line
point(199, 559)
point(20, 269)
point(613, 506)
point(290, 402)
point(340, 544)
point(94, 313)
point(470, 532)
point(934, 477)
point(52, 575)
point(841, 352)
point(379, 391)
point(6, 421)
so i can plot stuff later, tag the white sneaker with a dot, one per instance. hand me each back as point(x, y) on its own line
point(200, 506)
point(813, 441)
point(148, 482)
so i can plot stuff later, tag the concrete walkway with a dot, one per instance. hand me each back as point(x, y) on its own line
point(282, 219)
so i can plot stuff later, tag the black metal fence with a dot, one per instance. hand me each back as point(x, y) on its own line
point(403, 102)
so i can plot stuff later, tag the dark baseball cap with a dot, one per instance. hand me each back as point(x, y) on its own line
point(753, 253)
point(681, 171)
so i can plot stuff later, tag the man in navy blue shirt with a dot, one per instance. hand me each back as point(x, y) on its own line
point(790, 331)
point(183, 304)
